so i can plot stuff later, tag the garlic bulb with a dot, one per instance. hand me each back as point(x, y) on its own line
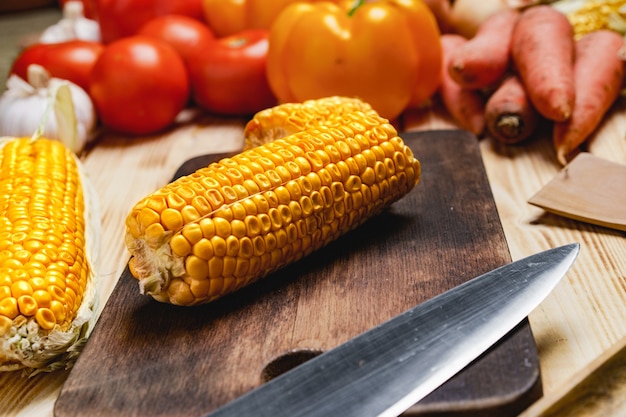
point(73, 25)
point(60, 109)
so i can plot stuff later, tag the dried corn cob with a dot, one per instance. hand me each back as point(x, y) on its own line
point(226, 225)
point(286, 119)
point(48, 237)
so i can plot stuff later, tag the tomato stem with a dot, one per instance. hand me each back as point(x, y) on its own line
point(355, 5)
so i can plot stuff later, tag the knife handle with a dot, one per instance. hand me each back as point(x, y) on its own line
point(599, 389)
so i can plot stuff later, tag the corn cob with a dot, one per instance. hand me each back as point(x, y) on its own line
point(286, 119)
point(47, 235)
point(239, 219)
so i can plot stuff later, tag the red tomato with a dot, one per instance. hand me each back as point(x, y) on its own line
point(139, 85)
point(229, 77)
point(71, 60)
point(185, 34)
point(191, 8)
point(121, 18)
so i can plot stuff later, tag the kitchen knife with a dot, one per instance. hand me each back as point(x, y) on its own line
point(387, 369)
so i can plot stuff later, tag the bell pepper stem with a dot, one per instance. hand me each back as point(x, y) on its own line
point(355, 5)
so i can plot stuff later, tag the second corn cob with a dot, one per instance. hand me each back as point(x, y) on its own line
point(48, 245)
point(219, 229)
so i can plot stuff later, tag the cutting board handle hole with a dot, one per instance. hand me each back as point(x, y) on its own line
point(285, 362)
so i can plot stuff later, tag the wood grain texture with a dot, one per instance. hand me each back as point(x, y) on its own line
point(150, 359)
point(599, 389)
point(584, 315)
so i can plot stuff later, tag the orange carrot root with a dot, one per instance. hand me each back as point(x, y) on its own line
point(510, 116)
point(599, 74)
point(466, 106)
point(484, 59)
point(543, 54)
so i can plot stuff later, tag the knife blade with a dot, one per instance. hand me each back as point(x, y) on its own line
point(387, 369)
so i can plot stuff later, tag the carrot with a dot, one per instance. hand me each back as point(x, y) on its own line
point(543, 53)
point(466, 106)
point(484, 60)
point(599, 73)
point(509, 114)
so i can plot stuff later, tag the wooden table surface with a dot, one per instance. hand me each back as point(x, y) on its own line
point(579, 321)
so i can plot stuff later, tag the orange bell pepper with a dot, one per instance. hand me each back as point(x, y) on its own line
point(388, 53)
point(227, 17)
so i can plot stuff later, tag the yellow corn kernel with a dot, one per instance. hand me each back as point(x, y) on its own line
point(147, 216)
point(180, 245)
point(172, 219)
point(321, 169)
point(5, 291)
point(246, 248)
point(45, 318)
point(56, 293)
point(27, 305)
point(42, 297)
point(196, 267)
point(180, 293)
point(20, 288)
point(203, 249)
point(58, 310)
point(9, 308)
point(37, 281)
point(192, 233)
point(597, 15)
point(44, 214)
point(5, 325)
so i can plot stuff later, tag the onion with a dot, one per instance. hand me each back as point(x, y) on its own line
point(467, 15)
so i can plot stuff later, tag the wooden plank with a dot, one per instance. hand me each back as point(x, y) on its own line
point(150, 359)
point(599, 389)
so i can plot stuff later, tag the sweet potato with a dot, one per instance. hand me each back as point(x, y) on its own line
point(598, 74)
point(484, 59)
point(509, 114)
point(543, 54)
point(466, 106)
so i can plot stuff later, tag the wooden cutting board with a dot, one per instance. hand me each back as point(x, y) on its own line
point(590, 189)
point(145, 358)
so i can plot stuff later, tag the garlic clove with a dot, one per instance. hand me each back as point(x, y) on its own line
point(18, 87)
point(67, 124)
